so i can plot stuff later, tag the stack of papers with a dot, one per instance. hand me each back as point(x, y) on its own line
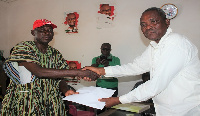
point(89, 96)
point(132, 107)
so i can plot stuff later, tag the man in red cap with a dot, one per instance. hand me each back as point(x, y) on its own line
point(36, 71)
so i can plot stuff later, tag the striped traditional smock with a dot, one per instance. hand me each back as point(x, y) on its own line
point(41, 97)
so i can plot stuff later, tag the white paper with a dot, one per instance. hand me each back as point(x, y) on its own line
point(89, 96)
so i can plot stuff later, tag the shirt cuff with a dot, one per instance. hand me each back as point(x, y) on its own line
point(108, 72)
point(123, 99)
point(128, 98)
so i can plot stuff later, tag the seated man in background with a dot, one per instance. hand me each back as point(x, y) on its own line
point(72, 65)
point(104, 60)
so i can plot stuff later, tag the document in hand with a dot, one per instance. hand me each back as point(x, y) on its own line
point(89, 96)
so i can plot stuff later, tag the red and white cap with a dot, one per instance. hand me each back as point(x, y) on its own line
point(41, 22)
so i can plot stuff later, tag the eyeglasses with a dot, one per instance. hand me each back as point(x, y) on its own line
point(42, 30)
point(105, 49)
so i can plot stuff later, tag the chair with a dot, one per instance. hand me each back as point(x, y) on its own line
point(73, 111)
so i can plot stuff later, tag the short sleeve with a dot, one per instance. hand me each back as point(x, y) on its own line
point(24, 51)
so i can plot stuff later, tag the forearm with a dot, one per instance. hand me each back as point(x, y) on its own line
point(130, 69)
point(56, 73)
point(128, 98)
point(52, 73)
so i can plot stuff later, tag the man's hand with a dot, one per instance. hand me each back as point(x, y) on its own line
point(98, 61)
point(98, 70)
point(90, 74)
point(111, 101)
point(105, 62)
point(70, 92)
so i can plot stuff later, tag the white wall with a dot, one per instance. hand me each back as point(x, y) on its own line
point(4, 28)
point(125, 37)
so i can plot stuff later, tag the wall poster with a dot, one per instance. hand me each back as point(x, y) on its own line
point(71, 21)
point(106, 15)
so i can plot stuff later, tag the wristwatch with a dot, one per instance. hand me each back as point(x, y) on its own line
point(170, 10)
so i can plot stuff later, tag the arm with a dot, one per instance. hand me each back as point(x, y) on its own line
point(26, 55)
point(169, 64)
point(139, 65)
point(56, 73)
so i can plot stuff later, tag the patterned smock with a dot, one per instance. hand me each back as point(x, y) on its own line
point(40, 97)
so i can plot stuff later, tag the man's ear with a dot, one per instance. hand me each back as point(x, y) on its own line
point(167, 22)
point(32, 32)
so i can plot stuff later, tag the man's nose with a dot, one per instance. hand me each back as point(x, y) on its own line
point(149, 26)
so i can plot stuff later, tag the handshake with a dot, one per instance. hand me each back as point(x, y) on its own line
point(90, 73)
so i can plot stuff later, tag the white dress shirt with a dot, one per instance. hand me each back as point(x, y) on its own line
point(174, 81)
